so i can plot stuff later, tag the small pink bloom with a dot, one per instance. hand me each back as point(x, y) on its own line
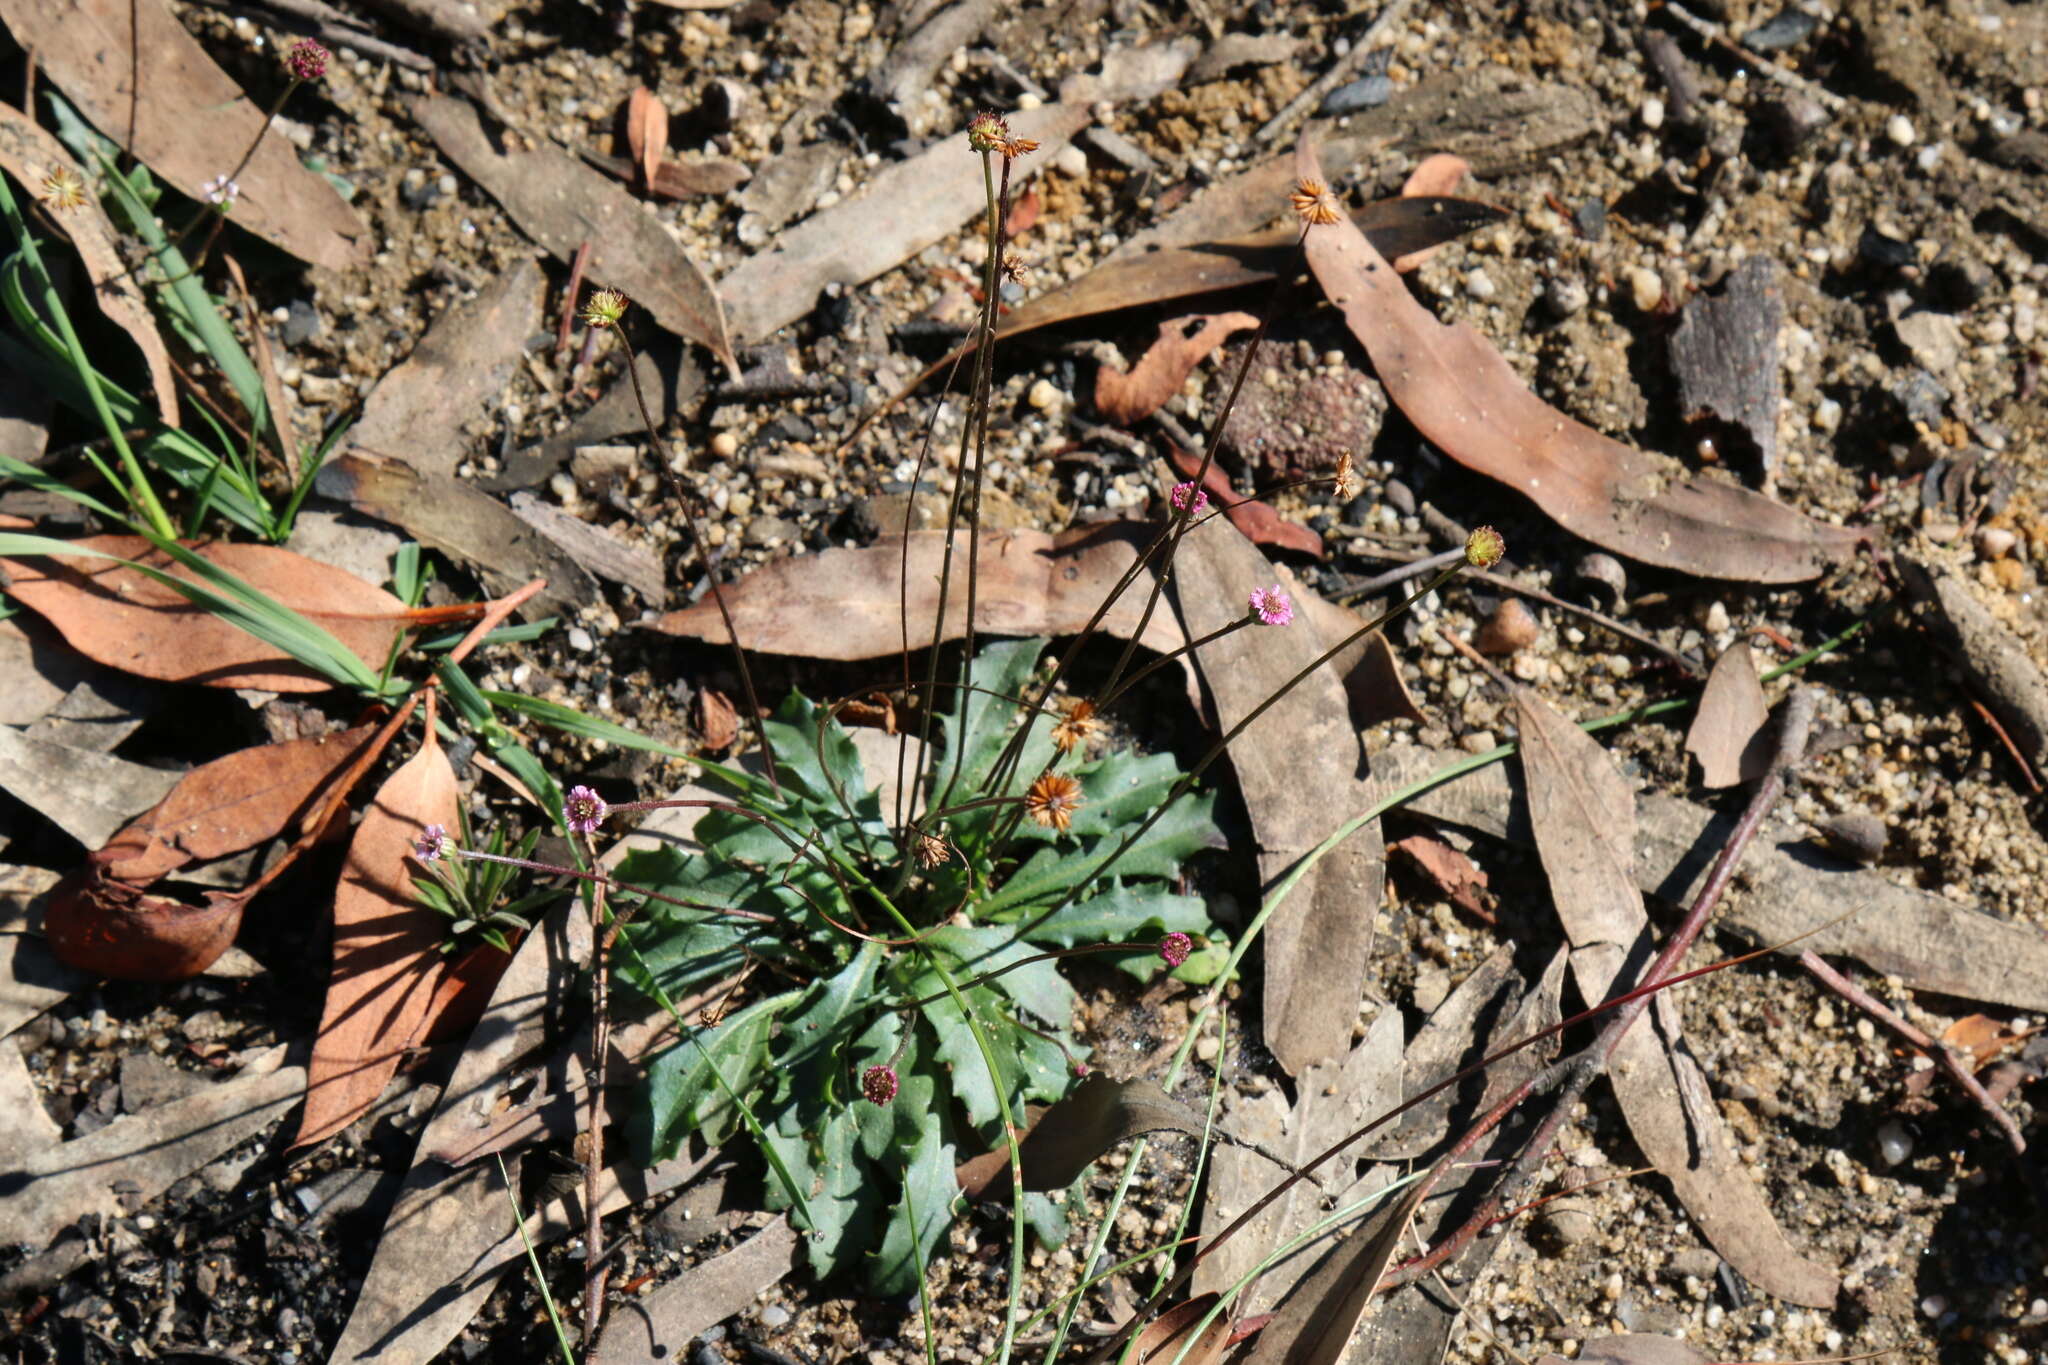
point(1273, 605)
point(584, 809)
point(306, 59)
point(1081, 1068)
point(1183, 491)
point(432, 844)
point(878, 1084)
point(1175, 947)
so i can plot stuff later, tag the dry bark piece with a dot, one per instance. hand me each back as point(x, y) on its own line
point(86, 794)
point(1725, 353)
point(1583, 814)
point(386, 943)
point(1259, 522)
point(1171, 1339)
point(190, 119)
point(1030, 584)
point(1990, 654)
point(646, 132)
point(1297, 764)
point(661, 1324)
point(596, 548)
point(116, 616)
point(716, 720)
point(1642, 1348)
point(700, 175)
point(31, 977)
point(561, 203)
point(1465, 399)
point(29, 154)
point(1126, 398)
point(1730, 733)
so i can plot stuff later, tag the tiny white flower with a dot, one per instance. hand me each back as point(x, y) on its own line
point(220, 190)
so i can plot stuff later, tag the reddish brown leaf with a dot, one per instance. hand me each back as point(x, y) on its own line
point(647, 133)
point(1455, 875)
point(228, 805)
point(1259, 522)
point(718, 724)
point(124, 619)
point(1125, 398)
point(1173, 1331)
point(1023, 215)
point(111, 929)
point(1466, 400)
point(1981, 1038)
point(386, 962)
point(463, 991)
point(1730, 735)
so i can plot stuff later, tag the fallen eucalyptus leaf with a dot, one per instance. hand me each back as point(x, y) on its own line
point(1730, 733)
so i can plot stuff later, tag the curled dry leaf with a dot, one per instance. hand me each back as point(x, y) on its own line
point(386, 960)
point(647, 133)
point(1063, 1139)
point(1260, 523)
point(1456, 876)
point(1466, 400)
point(1172, 1336)
point(126, 620)
point(1125, 398)
point(111, 929)
point(1730, 733)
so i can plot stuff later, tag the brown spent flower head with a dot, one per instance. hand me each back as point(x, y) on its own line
point(63, 190)
point(306, 60)
point(1076, 727)
point(1314, 204)
point(605, 308)
point(1484, 548)
point(988, 131)
point(1014, 270)
point(1014, 147)
point(931, 851)
point(1346, 480)
point(1052, 801)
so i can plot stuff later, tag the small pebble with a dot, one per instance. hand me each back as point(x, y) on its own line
point(1899, 129)
point(1477, 741)
point(579, 640)
point(774, 1316)
point(1071, 161)
point(1652, 113)
point(1368, 92)
point(1043, 395)
point(1827, 415)
point(1894, 1145)
point(1716, 620)
point(1509, 627)
point(1479, 285)
point(1645, 286)
point(1570, 1221)
point(1856, 834)
point(725, 445)
point(1400, 497)
point(1565, 295)
point(1606, 572)
point(1995, 542)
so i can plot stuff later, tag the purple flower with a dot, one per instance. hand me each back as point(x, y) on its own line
point(1273, 605)
point(1081, 1068)
point(584, 810)
point(306, 59)
point(878, 1084)
point(1183, 491)
point(1175, 947)
point(432, 844)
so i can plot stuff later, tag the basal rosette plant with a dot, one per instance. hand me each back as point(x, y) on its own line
point(853, 1067)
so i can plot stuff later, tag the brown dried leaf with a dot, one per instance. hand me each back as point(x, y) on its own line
point(1981, 1038)
point(189, 118)
point(1436, 176)
point(1259, 522)
point(228, 805)
point(1583, 814)
point(658, 1326)
point(1456, 876)
point(1126, 398)
point(1172, 1333)
point(561, 203)
point(126, 620)
point(1466, 400)
point(718, 724)
point(1066, 1138)
point(844, 604)
point(386, 961)
point(1730, 733)
point(647, 133)
point(29, 153)
point(112, 929)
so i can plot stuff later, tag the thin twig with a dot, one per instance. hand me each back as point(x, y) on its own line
point(1713, 34)
point(329, 25)
point(1340, 72)
point(594, 1268)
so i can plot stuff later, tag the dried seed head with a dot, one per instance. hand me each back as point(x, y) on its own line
point(1314, 204)
point(1174, 948)
point(1484, 548)
point(433, 844)
point(584, 809)
point(1052, 801)
point(605, 308)
point(878, 1084)
point(306, 60)
point(1346, 480)
point(988, 131)
point(63, 190)
point(1272, 605)
point(931, 851)
point(1014, 270)
point(1014, 147)
point(1076, 727)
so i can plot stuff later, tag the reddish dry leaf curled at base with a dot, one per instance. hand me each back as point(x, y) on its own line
point(1062, 1140)
point(1730, 734)
point(717, 721)
point(1459, 879)
point(1466, 400)
point(116, 616)
point(1173, 1332)
point(646, 133)
point(1125, 398)
point(1260, 523)
point(387, 963)
point(115, 930)
point(228, 805)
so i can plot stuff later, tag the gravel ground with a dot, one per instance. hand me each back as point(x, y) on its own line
point(1922, 196)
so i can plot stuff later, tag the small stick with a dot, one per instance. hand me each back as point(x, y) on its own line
point(1713, 34)
point(1338, 73)
point(2026, 768)
point(577, 265)
point(1942, 1055)
point(595, 1271)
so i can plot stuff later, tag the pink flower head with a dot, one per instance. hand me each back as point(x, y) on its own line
point(432, 844)
point(306, 60)
point(1184, 491)
point(1081, 1068)
point(584, 809)
point(1175, 947)
point(878, 1084)
point(1273, 605)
